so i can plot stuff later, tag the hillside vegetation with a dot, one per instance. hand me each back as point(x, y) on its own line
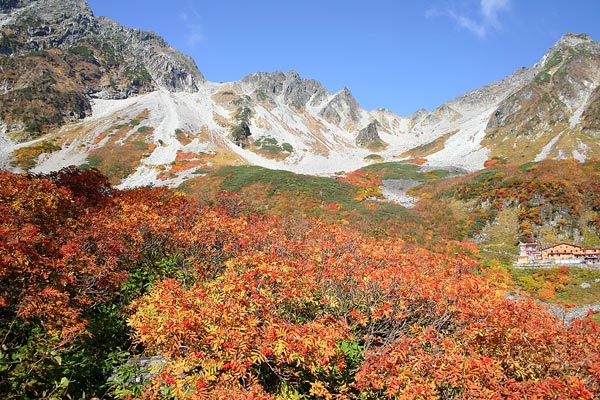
point(228, 301)
point(353, 199)
point(549, 202)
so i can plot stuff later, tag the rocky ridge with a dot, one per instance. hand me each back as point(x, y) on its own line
point(134, 90)
point(559, 105)
point(70, 57)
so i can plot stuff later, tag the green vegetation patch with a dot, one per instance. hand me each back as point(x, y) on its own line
point(568, 285)
point(575, 293)
point(260, 95)
point(238, 177)
point(554, 61)
point(83, 51)
point(542, 77)
point(138, 76)
point(286, 193)
point(243, 114)
point(398, 170)
point(26, 157)
point(270, 145)
point(145, 129)
point(545, 75)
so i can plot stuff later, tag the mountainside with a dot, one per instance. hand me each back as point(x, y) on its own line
point(548, 202)
point(99, 94)
point(57, 57)
point(557, 113)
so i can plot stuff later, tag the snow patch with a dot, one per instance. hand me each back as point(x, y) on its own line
point(68, 155)
point(5, 147)
point(548, 148)
point(581, 154)
point(464, 148)
point(575, 119)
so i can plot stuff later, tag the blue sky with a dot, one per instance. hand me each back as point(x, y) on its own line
point(400, 55)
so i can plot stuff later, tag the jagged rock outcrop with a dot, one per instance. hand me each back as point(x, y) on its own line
point(342, 104)
point(369, 137)
point(167, 67)
point(299, 93)
point(590, 118)
point(443, 112)
point(7, 5)
point(47, 24)
point(36, 25)
point(294, 90)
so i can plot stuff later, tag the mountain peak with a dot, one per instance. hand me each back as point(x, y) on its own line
point(293, 74)
point(570, 43)
point(573, 39)
point(293, 89)
point(347, 96)
point(54, 11)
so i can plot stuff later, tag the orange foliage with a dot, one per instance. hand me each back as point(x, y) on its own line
point(261, 305)
point(368, 183)
point(185, 165)
point(562, 190)
point(185, 156)
point(493, 162)
point(290, 296)
point(361, 178)
point(416, 161)
point(46, 270)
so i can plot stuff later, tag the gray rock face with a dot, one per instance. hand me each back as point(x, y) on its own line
point(443, 112)
point(579, 42)
point(104, 94)
point(343, 103)
point(293, 89)
point(61, 12)
point(496, 91)
point(54, 23)
point(369, 136)
point(555, 92)
point(7, 6)
point(501, 115)
point(300, 93)
point(62, 23)
point(169, 68)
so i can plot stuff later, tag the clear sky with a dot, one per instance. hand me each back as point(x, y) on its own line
point(397, 54)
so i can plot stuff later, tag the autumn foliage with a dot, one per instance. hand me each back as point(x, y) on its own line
point(240, 304)
point(563, 194)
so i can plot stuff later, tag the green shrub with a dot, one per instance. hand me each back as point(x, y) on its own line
point(82, 51)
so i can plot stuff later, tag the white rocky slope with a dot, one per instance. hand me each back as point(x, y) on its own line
point(320, 127)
